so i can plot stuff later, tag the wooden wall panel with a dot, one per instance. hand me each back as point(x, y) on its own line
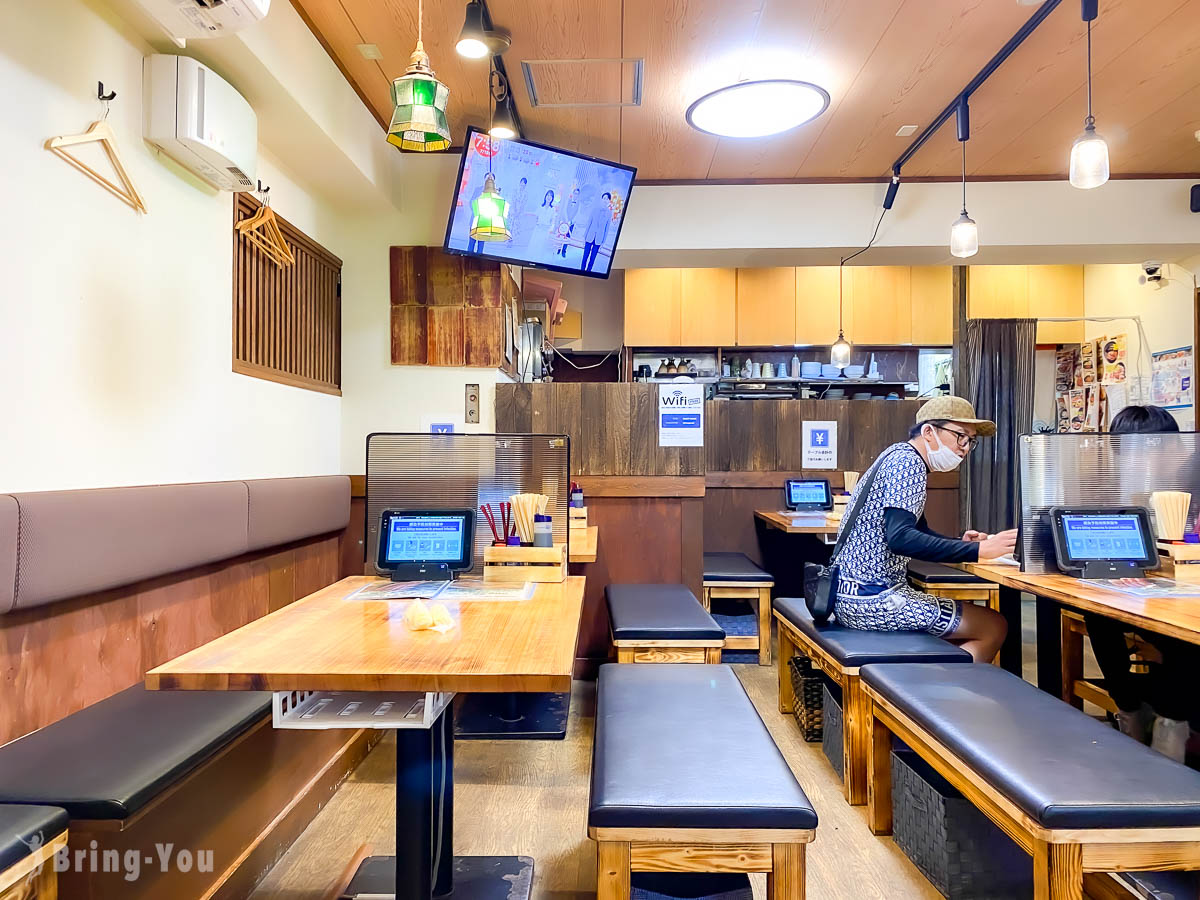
point(62, 657)
point(483, 336)
point(286, 319)
point(409, 275)
point(446, 338)
point(410, 336)
point(445, 279)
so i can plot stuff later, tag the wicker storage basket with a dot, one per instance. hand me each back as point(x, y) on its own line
point(807, 697)
point(955, 846)
point(831, 739)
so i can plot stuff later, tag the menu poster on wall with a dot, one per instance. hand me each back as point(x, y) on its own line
point(1091, 419)
point(1087, 365)
point(1112, 358)
point(1062, 410)
point(1172, 384)
point(820, 445)
point(1078, 409)
point(1065, 360)
point(681, 415)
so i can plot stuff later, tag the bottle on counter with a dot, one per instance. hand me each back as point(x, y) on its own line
point(725, 370)
point(873, 372)
point(795, 366)
point(543, 531)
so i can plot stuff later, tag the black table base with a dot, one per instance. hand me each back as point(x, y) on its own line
point(475, 878)
point(526, 717)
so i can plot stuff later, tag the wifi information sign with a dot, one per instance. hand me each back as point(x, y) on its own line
point(681, 415)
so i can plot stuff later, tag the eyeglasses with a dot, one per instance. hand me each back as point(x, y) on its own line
point(965, 441)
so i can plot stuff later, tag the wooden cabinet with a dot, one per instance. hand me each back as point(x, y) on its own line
point(766, 307)
point(817, 305)
point(708, 307)
point(652, 307)
point(998, 292)
point(932, 305)
point(1057, 291)
point(881, 300)
point(1017, 292)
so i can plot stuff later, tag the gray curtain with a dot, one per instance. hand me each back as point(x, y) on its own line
point(1000, 354)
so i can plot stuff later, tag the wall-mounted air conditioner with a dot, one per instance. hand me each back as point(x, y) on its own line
point(200, 121)
point(183, 19)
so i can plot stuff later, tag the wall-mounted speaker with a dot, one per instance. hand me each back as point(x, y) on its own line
point(1196, 198)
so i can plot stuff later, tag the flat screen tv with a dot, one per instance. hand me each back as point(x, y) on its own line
point(540, 207)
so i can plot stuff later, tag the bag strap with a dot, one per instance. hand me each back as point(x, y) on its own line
point(852, 518)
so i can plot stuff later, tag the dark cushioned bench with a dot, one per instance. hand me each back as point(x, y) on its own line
point(1076, 794)
point(947, 581)
point(661, 623)
point(29, 837)
point(686, 777)
point(839, 652)
point(735, 576)
point(111, 759)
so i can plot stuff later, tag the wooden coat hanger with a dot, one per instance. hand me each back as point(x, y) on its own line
point(101, 132)
point(262, 230)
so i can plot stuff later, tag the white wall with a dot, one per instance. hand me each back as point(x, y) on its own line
point(115, 328)
point(602, 304)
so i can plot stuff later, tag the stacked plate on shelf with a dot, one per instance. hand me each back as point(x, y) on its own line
point(810, 369)
point(829, 370)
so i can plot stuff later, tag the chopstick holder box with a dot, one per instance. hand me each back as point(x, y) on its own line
point(521, 564)
point(1179, 561)
point(577, 516)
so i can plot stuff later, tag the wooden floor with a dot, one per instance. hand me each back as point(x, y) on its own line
point(530, 798)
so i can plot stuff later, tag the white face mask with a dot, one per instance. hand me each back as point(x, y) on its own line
point(943, 458)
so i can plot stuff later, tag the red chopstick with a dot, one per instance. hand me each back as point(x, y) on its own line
point(486, 509)
point(505, 512)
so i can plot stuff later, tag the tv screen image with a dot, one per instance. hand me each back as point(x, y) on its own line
point(561, 211)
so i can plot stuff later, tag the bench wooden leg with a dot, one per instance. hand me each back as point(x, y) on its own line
point(706, 599)
point(1057, 871)
point(764, 626)
point(1072, 659)
point(713, 655)
point(786, 651)
point(612, 870)
point(785, 881)
point(854, 740)
point(879, 774)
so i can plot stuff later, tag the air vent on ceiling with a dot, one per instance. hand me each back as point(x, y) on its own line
point(577, 83)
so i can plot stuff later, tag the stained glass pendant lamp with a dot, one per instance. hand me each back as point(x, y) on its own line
point(419, 118)
point(489, 212)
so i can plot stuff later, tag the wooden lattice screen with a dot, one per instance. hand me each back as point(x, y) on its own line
point(287, 322)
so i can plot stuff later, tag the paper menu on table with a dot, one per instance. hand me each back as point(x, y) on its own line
point(399, 590)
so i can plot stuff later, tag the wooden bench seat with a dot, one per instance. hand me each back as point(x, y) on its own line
point(686, 778)
point(29, 838)
point(734, 576)
point(1075, 794)
point(941, 580)
point(661, 623)
point(839, 652)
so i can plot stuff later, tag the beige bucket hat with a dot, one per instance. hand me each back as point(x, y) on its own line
point(955, 409)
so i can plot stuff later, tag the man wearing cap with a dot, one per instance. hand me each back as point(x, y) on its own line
point(890, 529)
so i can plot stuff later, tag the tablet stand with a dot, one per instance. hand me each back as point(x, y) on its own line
point(1110, 568)
point(423, 572)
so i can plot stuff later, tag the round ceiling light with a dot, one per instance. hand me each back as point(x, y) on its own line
point(751, 109)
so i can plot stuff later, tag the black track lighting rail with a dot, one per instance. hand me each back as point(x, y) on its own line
point(960, 99)
point(498, 65)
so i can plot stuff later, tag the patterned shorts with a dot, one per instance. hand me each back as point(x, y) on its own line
point(900, 608)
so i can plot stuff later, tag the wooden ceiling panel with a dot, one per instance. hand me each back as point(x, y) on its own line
point(886, 63)
point(690, 47)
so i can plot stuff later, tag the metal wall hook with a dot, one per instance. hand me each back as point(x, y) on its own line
point(103, 97)
point(263, 193)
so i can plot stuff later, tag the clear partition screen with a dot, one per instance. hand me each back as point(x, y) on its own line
point(1098, 470)
point(438, 471)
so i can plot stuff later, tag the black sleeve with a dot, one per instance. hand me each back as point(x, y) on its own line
point(923, 527)
point(905, 537)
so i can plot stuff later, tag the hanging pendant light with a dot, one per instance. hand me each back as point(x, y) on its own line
point(839, 353)
point(504, 122)
point(1089, 153)
point(964, 233)
point(478, 38)
point(419, 118)
point(489, 213)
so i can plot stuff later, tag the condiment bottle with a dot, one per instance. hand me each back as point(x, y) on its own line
point(543, 531)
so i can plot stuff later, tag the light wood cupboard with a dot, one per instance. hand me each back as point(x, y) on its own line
point(932, 305)
point(708, 307)
point(766, 307)
point(881, 300)
point(652, 307)
point(1056, 291)
point(817, 305)
point(1003, 292)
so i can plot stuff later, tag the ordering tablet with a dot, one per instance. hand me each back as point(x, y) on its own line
point(1116, 542)
point(423, 542)
point(814, 494)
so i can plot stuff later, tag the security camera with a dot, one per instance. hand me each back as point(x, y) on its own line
point(1152, 271)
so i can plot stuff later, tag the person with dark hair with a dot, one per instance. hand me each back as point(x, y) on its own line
point(873, 592)
point(597, 230)
point(1155, 707)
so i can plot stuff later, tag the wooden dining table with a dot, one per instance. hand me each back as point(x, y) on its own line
point(333, 641)
point(798, 523)
point(1177, 617)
